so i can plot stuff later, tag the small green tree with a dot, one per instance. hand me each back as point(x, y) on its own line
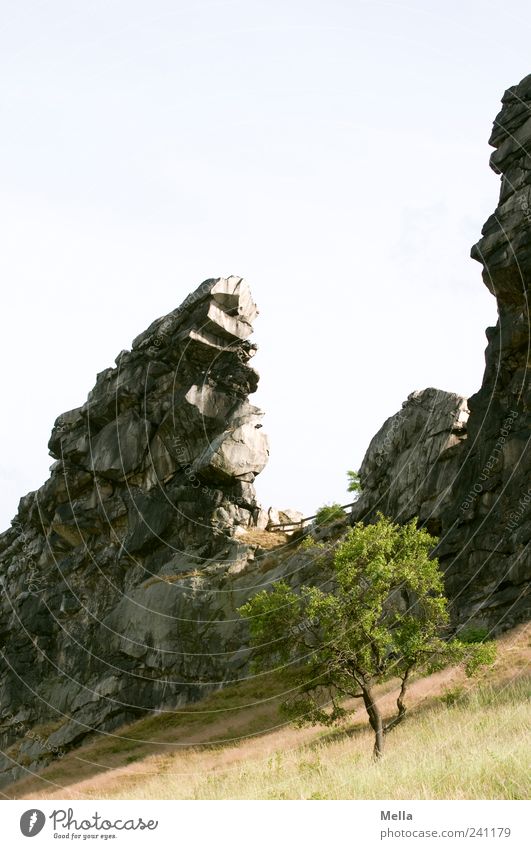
point(382, 618)
point(354, 483)
point(329, 513)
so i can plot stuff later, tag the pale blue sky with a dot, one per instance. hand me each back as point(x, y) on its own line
point(333, 153)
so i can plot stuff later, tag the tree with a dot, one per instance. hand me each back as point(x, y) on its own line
point(382, 617)
point(354, 483)
point(329, 513)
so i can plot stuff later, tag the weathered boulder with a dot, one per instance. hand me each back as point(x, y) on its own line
point(284, 516)
point(240, 453)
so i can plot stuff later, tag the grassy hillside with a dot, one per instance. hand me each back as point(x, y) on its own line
point(463, 739)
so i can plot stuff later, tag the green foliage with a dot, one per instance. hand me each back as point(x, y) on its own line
point(478, 656)
point(473, 649)
point(354, 483)
point(473, 635)
point(474, 656)
point(310, 544)
point(329, 513)
point(383, 618)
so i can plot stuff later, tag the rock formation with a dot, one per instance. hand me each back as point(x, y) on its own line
point(467, 477)
point(114, 572)
point(487, 522)
point(412, 461)
point(122, 575)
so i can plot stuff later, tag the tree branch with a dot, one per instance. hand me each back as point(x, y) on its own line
point(399, 703)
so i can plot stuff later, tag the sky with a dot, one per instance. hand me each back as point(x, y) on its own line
point(333, 153)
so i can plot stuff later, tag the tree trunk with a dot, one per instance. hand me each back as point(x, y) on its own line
point(400, 700)
point(378, 739)
point(376, 722)
point(400, 704)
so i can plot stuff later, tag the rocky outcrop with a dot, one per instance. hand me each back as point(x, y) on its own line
point(119, 573)
point(467, 477)
point(410, 464)
point(487, 523)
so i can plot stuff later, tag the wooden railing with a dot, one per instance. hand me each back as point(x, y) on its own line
point(301, 522)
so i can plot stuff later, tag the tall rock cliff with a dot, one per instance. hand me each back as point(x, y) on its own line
point(118, 574)
point(463, 466)
point(487, 523)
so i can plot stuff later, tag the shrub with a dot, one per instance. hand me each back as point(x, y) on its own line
point(354, 483)
point(329, 513)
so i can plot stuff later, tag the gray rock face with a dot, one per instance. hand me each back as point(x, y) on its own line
point(487, 522)
point(119, 573)
point(467, 477)
point(412, 461)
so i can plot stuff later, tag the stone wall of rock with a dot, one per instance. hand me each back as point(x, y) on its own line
point(487, 522)
point(467, 476)
point(118, 573)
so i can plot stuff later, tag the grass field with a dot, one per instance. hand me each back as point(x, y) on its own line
point(463, 739)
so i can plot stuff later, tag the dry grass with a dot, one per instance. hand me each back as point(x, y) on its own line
point(463, 739)
point(472, 750)
point(265, 539)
